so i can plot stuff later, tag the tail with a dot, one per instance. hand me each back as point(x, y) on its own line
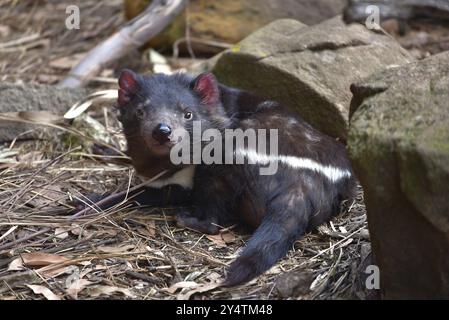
point(271, 241)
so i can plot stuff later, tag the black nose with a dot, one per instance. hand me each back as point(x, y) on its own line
point(161, 133)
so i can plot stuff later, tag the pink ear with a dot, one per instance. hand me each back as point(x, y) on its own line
point(128, 84)
point(206, 85)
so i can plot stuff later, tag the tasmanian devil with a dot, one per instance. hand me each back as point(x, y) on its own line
point(312, 176)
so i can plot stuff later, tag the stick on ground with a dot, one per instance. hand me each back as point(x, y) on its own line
point(133, 35)
point(112, 198)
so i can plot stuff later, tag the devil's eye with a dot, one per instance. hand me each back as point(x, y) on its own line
point(139, 113)
point(188, 115)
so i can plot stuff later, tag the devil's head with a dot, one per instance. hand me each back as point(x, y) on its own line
point(152, 108)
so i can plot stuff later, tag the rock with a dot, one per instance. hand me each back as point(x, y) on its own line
point(357, 10)
point(310, 69)
point(14, 98)
point(230, 21)
point(361, 272)
point(399, 145)
point(293, 284)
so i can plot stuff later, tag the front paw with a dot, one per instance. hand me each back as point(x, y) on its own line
point(85, 201)
point(188, 221)
point(182, 219)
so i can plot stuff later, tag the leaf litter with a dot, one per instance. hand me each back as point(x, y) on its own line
point(121, 253)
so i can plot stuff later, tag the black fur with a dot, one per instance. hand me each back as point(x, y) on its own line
point(280, 208)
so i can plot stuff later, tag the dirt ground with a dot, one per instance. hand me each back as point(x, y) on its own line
point(127, 253)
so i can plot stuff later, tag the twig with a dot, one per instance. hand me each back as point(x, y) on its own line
point(190, 40)
point(18, 279)
point(132, 36)
point(115, 196)
point(205, 256)
point(144, 277)
point(330, 247)
point(15, 242)
point(20, 41)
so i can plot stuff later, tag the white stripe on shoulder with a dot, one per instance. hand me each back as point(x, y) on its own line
point(183, 178)
point(334, 174)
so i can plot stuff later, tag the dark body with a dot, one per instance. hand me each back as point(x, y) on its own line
point(312, 179)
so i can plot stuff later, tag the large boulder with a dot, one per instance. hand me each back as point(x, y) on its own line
point(310, 69)
point(230, 21)
point(399, 145)
point(358, 10)
point(33, 97)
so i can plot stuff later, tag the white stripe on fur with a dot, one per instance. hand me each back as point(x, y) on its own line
point(334, 174)
point(183, 178)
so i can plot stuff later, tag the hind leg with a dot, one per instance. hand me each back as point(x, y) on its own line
point(210, 214)
point(286, 221)
point(203, 225)
point(214, 203)
point(168, 196)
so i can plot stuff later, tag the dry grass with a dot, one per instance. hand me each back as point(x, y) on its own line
point(141, 252)
point(36, 46)
point(121, 253)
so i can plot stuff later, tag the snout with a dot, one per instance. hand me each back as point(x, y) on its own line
point(162, 133)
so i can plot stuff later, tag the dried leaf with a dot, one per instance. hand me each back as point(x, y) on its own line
point(4, 166)
point(213, 277)
point(107, 232)
point(107, 73)
point(46, 195)
point(44, 117)
point(100, 267)
point(159, 62)
point(151, 227)
point(30, 157)
point(76, 287)
point(217, 239)
point(47, 78)
point(7, 233)
point(47, 293)
point(199, 289)
point(182, 285)
point(16, 265)
point(120, 249)
point(54, 272)
point(343, 229)
point(6, 154)
point(228, 236)
point(61, 233)
point(5, 31)
point(67, 63)
point(274, 270)
point(35, 259)
point(109, 290)
point(78, 108)
point(77, 230)
point(223, 238)
point(149, 230)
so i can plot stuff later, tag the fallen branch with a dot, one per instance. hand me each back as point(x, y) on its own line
point(26, 238)
point(133, 35)
point(113, 198)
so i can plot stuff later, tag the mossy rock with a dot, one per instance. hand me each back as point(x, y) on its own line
point(33, 97)
point(399, 145)
point(309, 69)
point(230, 21)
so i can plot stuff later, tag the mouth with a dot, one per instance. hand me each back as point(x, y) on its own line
point(161, 147)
